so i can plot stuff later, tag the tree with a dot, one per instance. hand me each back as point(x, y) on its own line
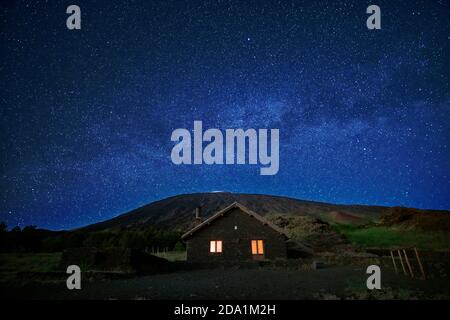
point(53, 244)
point(179, 246)
point(3, 235)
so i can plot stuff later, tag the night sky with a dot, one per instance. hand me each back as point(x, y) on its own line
point(87, 115)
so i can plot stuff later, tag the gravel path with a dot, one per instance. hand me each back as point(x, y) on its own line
point(229, 284)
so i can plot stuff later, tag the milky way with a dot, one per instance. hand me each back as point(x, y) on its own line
point(86, 115)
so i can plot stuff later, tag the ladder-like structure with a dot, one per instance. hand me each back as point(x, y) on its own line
point(406, 266)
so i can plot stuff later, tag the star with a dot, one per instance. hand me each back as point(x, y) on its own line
point(87, 116)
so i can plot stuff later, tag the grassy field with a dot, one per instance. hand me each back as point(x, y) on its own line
point(12, 264)
point(384, 237)
point(48, 262)
point(29, 262)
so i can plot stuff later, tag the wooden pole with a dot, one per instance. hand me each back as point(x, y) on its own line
point(401, 262)
point(409, 265)
point(420, 263)
point(393, 261)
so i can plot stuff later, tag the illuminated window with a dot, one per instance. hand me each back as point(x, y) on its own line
point(257, 247)
point(215, 246)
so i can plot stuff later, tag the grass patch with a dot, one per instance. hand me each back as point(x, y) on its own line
point(29, 262)
point(172, 255)
point(384, 237)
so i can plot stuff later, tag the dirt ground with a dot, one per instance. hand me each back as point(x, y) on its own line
point(328, 283)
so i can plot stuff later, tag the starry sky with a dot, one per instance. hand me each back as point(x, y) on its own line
point(86, 115)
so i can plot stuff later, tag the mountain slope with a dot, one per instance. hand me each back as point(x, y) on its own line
point(178, 212)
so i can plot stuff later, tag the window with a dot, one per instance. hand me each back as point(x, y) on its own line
point(215, 246)
point(257, 247)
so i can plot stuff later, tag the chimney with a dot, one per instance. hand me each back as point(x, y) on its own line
point(198, 218)
point(198, 212)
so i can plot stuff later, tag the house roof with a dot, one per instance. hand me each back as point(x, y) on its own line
point(220, 213)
